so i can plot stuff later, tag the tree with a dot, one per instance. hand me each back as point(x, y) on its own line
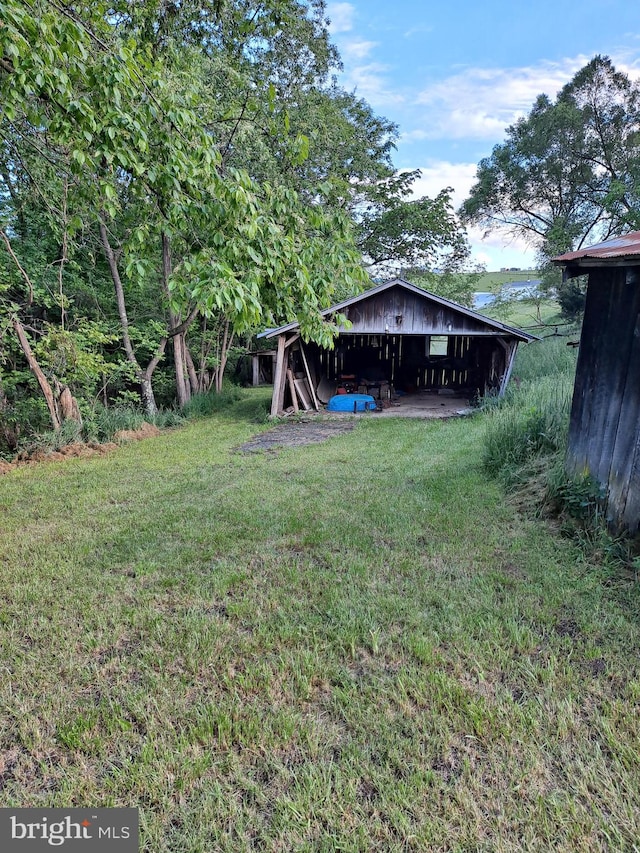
point(567, 175)
point(151, 177)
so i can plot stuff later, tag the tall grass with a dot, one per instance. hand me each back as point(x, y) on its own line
point(524, 447)
point(531, 420)
point(532, 423)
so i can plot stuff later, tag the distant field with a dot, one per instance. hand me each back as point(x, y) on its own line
point(493, 281)
point(525, 314)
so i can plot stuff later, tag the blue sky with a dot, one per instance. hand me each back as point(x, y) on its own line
point(453, 76)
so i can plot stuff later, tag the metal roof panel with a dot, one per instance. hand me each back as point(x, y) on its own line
point(625, 246)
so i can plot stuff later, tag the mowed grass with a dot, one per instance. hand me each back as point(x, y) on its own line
point(357, 645)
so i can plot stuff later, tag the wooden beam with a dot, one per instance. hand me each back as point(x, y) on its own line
point(510, 355)
point(277, 399)
point(292, 339)
point(303, 393)
point(314, 399)
point(292, 390)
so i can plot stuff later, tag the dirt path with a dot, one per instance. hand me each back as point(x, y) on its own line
point(296, 435)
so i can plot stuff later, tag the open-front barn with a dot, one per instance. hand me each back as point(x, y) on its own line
point(400, 339)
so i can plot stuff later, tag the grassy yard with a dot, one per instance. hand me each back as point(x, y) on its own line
point(358, 645)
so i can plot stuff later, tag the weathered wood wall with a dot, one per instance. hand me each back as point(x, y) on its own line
point(604, 430)
point(398, 311)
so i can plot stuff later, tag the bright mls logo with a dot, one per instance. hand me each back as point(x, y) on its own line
point(86, 830)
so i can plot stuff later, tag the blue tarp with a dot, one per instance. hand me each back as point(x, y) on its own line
point(351, 403)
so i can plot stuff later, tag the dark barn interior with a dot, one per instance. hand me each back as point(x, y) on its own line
point(399, 339)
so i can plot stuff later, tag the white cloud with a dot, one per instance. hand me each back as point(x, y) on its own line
point(341, 16)
point(418, 30)
point(496, 249)
point(370, 82)
point(356, 50)
point(479, 103)
point(438, 174)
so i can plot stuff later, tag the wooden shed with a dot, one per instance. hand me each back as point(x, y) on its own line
point(604, 430)
point(400, 338)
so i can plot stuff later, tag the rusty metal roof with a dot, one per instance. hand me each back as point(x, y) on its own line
point(618, 249)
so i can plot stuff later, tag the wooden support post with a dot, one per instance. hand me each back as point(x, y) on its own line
point(510, 355)
point(255, 369)
point(278, 380)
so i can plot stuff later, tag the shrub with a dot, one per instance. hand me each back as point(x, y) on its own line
point(102, 423)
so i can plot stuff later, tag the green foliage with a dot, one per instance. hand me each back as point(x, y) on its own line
point(50, 441)
point(549, 357)
point(532, 419)
point(197, 161)
point(103, 423)
point(567, 174)
point(579, 497)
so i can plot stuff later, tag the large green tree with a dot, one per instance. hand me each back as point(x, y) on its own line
point(568, 173)
point(106, 117)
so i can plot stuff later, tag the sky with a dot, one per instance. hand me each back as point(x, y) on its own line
point(454, 75)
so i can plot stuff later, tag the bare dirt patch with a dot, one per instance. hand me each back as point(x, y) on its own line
point(145, 431)
point(78, 450)
point(295, 435)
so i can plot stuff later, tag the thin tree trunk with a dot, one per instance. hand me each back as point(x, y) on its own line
point(191, 370)
point(143, 376)
point(183, 391)
point(227, 341)
point(35, 368)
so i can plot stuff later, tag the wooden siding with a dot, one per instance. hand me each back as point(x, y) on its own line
point(604, 435)
point(399, 311)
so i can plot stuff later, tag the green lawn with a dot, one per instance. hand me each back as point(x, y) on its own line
point(358, 645)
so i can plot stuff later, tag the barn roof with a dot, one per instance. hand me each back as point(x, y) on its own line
point(619, 251)
point(493, 325)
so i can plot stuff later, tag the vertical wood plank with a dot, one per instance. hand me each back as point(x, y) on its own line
point(278, 380)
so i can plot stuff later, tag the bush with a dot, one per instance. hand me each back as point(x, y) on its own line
point(102, 423)
point(51, 441)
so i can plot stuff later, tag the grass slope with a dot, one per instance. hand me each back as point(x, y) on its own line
point(351, 646)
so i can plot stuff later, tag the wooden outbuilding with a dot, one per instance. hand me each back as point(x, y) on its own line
point(604, 430)
point(399, 338)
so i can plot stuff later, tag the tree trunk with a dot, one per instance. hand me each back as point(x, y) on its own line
point(183, 391)
point(67, 405)
point(35, 368)
point(227, 341)
point(191, 371)
point(143, 376)
point(9, 433)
